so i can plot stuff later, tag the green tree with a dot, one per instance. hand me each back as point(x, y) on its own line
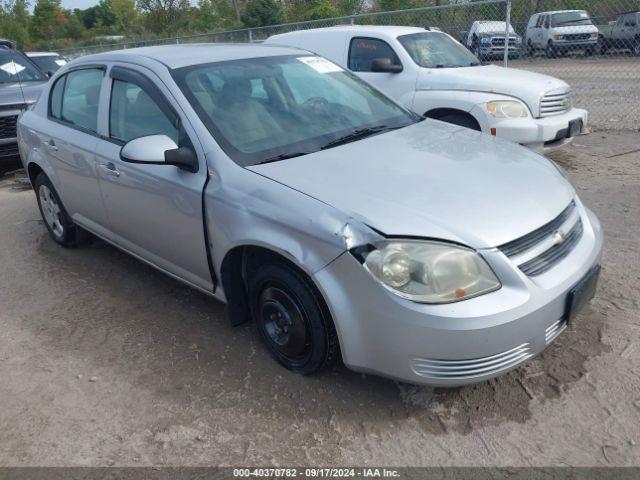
point(165, 17)
point(126, 15)
point(48, 20)
point(14, 22)
point(300, 10)
point(259, 13)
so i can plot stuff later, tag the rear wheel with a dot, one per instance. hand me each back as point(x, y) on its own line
point(530, 50)
point(56, 219)
point(292, 319)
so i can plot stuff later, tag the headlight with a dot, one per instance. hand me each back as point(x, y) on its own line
point(556, 37)
point(430, 272)
point(507, 109)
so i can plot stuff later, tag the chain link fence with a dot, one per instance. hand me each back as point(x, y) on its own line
point(593, 45)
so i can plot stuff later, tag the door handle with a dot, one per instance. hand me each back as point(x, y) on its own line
point(110, 169)
point(51, 145)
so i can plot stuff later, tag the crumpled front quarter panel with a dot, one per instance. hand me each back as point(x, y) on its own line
point(245, 208)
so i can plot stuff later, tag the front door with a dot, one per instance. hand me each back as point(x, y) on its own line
point(155, 211)
point(362, 52)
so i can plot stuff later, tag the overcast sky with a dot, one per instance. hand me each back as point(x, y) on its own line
point(71, 4)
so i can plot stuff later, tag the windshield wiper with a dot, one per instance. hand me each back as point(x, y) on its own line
point(282, 156)
point(357, 135)
point(474, 64)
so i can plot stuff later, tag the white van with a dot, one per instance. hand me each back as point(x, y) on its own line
point(434, 75)
point(560, 31)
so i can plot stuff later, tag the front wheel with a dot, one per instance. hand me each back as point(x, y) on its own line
point(550, 51)
point(463, 120)
point(292, 319)
point(56, 218)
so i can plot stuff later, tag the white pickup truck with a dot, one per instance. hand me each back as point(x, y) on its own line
point(432, 74)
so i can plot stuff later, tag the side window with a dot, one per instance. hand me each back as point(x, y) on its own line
point(55, 98)
point(133, 114)
point(80, 98)
point(546, 21)
point(363, 51)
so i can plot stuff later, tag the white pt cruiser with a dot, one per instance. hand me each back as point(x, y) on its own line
point(434, 75)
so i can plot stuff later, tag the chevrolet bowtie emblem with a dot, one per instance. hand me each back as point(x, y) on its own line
point(558, 237)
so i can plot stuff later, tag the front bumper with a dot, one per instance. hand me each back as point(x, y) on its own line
point(384, 334)
point(540, 134)
point(567, 44)
point(494, 51)
point(8, 148)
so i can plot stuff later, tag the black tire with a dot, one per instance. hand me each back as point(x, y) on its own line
point(602, 46)
point(460, 119)
point(292, 319)
point(549, 51)
point(636, 47)
point(589, 51)
point(531, 52)
point(56, 219)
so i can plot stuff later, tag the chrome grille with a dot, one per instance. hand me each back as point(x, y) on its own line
point(540, 250)
point(553, 255)
point(8, 126)
point(471, 368)
point(555, 103)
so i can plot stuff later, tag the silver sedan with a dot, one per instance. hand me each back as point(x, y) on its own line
point(338, 222)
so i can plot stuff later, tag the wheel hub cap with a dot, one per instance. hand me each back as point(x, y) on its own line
point(283, 322)
point(50, 210)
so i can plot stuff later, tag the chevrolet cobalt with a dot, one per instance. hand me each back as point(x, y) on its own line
point(338, 222)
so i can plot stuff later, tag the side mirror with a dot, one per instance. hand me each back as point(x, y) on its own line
point(384, 65)
point(159, 150)
point(49, 74)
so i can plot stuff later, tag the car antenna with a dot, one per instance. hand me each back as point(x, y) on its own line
point(14, 57)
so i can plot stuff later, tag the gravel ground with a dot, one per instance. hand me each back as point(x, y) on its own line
point(607, 87)
point(104, 361)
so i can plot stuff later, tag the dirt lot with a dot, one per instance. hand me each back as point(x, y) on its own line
point(104, 361)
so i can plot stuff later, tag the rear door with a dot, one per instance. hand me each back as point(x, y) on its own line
point(70, 138)
point(156, 211)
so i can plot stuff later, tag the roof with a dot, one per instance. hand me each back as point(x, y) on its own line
point(177, 56)
point(391, 30)
point(559, 11)
point(42, 54)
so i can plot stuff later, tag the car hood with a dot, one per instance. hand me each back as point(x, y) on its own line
point(11, 93)
point(527, 86)
point(433, 180)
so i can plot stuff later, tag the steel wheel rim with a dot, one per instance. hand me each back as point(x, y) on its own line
point(50, 210)
point(284, 323)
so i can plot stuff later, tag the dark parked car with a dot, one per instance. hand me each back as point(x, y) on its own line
point(48, 62)
point(20, 85)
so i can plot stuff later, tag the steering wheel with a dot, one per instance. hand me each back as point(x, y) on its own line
point(316, 102)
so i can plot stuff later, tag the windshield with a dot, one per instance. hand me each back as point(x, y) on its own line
point(271, 108)
point(437, 50)
point(15, 67)
point(49, 63)
point(494, 27)
point(570, 18)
